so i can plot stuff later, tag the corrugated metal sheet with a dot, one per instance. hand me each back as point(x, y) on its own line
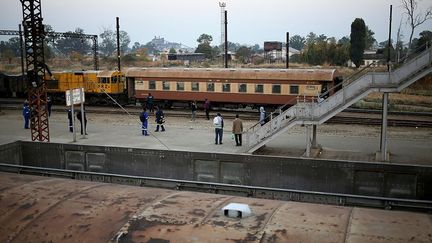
point(43, 209)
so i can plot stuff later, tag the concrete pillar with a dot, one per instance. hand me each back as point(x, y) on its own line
point(308, 141)
point(314, 139)
point(383, 145)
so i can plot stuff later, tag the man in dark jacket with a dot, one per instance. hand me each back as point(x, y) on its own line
point(160, 119)
point(82, 117)
point(237, 130)
point(26, 115)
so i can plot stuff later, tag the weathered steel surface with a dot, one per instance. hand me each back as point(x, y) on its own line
point(372, 225)
point(42, 209)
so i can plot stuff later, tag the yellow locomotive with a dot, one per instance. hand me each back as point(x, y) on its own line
point(96, 84)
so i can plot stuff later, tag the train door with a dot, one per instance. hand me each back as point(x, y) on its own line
point(130, 87)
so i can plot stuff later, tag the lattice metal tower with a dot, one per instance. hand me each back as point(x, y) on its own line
point(222, 5)
point(34, 50)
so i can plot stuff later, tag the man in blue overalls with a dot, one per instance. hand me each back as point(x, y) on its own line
point(26, 115)
point(144, 119)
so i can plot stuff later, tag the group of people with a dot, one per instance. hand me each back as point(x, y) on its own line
point(194, 109)
point(81, 116)
point(160, 120)
point(237, 129)
point(218, 121)
point(27, 110)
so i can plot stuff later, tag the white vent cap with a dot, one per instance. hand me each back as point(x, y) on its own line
point(237, 210)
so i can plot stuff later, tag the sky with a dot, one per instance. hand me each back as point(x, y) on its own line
point(249, 21)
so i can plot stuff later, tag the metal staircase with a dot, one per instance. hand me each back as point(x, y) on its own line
point(351, 90)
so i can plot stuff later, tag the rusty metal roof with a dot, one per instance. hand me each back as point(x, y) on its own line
point(238, 74)
point(36, 209)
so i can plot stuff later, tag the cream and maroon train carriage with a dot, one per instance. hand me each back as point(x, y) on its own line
point(240, 87)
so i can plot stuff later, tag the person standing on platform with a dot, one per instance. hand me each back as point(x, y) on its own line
point(207, 108)
point(160, 119)
point(237, 130)
point(193, 109)
point(262, 116)
point(26, 115)
point(70, 120)
point(82, 118)
point(218, 124)
point(149, 102)
point(49, 105)
point(144, 120)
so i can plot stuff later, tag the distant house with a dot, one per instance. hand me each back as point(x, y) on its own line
point(281, 55)
point(191, 57)
point(162, 45)
point(369, 57)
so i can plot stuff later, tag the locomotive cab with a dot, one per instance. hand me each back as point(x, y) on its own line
point(112, 82)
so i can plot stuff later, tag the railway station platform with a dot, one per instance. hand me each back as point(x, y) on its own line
point(339, 142)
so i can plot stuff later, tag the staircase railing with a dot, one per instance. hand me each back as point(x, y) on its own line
point(352, 89)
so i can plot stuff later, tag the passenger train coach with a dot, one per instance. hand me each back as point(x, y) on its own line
point(238, 87)
point(223, 87)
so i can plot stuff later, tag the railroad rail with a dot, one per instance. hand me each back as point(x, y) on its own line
point(350, 116)
point(228, 189)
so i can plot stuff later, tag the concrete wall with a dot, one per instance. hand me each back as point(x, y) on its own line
point(372, 179)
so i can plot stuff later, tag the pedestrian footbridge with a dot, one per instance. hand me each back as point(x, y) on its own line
point(350, 91)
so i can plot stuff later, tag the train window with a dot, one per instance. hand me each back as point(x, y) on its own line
point(226, 87)
point(180, 86)
point(242, 88)
point(259, 88)
point(210, 87)
point(104, 80)
point(166, 85)
point(276, 89)
point(195, 86)
point(152, 84)
point(114, 79)
point(294, 89)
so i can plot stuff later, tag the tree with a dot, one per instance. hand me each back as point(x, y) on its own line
point(151, 48)
point(108, 43)
point(310, 38)
point(67, 45)
point(204, 46)
point(206, 49)
point(297, 42)
point(124, 41)
point(244, 54)
point(172, 51)
point(370, 39)
point(358, 41)
point(205, 39)
point(415, 19)
point(256, 49)
point(424, 41)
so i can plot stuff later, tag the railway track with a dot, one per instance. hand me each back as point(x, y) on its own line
point(350, 116)
point(228, 189)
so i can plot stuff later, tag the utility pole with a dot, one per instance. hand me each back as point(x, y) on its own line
point(287, 50)
point(222, 5)
point(118, 44)
point(226, 40)
point(35, 66)
point(383, 144)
